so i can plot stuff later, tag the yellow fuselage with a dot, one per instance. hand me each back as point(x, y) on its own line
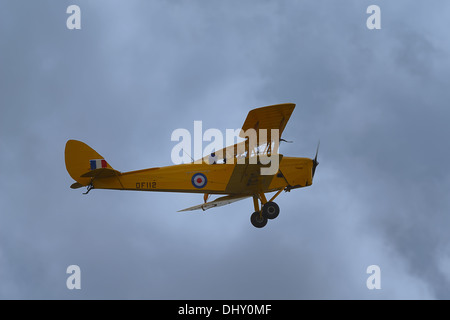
point(220, 178)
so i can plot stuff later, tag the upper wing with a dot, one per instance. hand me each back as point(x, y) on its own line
point(216, 203)
point(271, 117)
point(268, 118)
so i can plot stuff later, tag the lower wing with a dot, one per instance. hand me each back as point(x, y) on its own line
point(217, 202)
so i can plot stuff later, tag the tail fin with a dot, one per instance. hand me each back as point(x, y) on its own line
point(83, 163)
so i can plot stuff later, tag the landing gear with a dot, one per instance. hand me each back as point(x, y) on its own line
point(258, 220)
point(270, 210)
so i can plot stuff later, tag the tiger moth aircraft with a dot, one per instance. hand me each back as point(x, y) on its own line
point(243, 170)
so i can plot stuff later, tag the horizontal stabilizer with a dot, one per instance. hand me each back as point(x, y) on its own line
point(76, 185)
point(216, 203)
point(101, 173)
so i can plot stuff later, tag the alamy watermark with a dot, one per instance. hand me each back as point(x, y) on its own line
point(73, 22)
point(74, 280)
point(235, 147)
point(374, 20)
point(374, 280)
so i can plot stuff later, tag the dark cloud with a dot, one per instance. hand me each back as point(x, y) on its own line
point(138, 70)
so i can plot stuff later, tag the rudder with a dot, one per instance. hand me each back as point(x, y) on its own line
point(81, 159)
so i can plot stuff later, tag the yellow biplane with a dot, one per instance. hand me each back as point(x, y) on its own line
point(235, 173)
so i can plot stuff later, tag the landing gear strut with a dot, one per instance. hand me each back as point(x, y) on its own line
point(270, 210)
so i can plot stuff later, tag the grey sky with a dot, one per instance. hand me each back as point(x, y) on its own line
point(137, 70)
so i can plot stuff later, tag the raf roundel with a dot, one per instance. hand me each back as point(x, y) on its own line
point(199, 180)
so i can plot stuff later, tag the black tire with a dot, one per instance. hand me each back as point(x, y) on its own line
point(270, 210)
point(257, 220)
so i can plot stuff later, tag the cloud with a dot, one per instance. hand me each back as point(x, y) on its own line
point(136, 71)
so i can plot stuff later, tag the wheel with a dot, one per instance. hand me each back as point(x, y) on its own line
point(258, 221)
point(270, 210)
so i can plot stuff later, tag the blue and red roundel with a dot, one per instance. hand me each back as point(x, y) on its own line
point(199, 180)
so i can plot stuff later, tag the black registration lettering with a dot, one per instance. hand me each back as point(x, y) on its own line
point(146, 185)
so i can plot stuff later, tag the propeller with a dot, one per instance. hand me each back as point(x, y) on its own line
point(315, 162)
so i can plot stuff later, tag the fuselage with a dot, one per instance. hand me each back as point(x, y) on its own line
point(226, 178)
